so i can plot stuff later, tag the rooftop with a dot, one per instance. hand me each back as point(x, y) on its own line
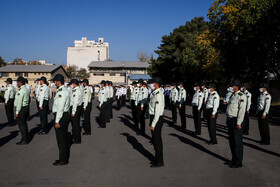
point(29, 68)
point(117, 64)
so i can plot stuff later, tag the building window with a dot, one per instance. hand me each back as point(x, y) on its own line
point(18, 74)
point(35, 73)
point(26, 74)
point(4, 74)
point(98, 74)
point(38, 73)
point(122, 74)
point(112, 74)
point(42, 73)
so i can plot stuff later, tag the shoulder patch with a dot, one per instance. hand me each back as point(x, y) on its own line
point(266, 98)
point(214, 93)
point(240, 93)
point(74, 95)
point(85, 92)
point(215, 98)
point(157, 102)
point(74, 90)
point(41, 89)
point(242, 100)
point(59, 96)
point(18, 94)
point(266, 94)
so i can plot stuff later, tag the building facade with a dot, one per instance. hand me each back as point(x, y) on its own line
point(116, 71)
point(85, 51)
point(30, 72)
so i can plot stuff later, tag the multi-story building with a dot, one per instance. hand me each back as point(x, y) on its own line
point(117, 72)
point(86, 51)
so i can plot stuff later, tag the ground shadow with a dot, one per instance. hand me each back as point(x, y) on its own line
point(6, 139)
point(200, 147)
point(138, 146)
point(34, 131)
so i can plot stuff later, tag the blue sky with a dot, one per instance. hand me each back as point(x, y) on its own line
point(43, 29)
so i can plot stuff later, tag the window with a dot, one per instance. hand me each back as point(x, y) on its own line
point(42, 73)
point(38, 73)
point(112, 74)
point(18, 74)
point(26, 74)
point(4, 74)
point(122, 74)
point(98, 74)
point(35, 73)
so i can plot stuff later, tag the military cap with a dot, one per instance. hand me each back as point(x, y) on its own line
point(264, 85)
point(58, 77)
point(157, 80)
point(43, 79)
point(236, 83)
point(244, 85)
point(74, 81)
point(141, 81)
point(9, 80)
point(212, 86)
point(173, 84)
point(103, 82)
point(197, 84)
point(86, 81)
point(21, 79)
point(179, 83)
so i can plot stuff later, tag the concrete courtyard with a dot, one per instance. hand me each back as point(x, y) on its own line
point(116, 156)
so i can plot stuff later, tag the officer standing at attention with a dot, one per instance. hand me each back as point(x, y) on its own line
point(235, 112)
point(248, 106)
point(133, 101)
point(111, 95)
point(182, 105)
point(9, 101)
point(108, 109)
point(156, 109)
point(205, 93)
point(44, 94)
point(102, 98)
point(197, 101)
point(174, 103)
point(21, 105)
point(142, 97)
point(60, 109)
point(212, 106)
point(87, 107)
point(263, 105)
point(38, 87)
point(76, 110)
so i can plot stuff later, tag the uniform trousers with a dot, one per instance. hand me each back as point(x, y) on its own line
point(87, 123)
point(182, 112)
point(44, 116)
point(22, 123)
point(108, 110)
point(235, 141)
point(197, 119)
point(211, 125)
point(174, 107)
point(264, 128)
point(10, 111)
point(203, 107)
point(75, 121)
point(62, 137)
point(157, 140)
point(103, 111)
point(141, 118)
point(119, 102)
point(246, 123)
point(134, 113)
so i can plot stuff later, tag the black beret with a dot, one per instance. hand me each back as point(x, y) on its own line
point(103, 82)
point(74, 81)
point(58, 77)
point(9, 80)
point(134, 83)
point(21, 79)
point(43, 79)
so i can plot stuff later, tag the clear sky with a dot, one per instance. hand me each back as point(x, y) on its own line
point(43, 29)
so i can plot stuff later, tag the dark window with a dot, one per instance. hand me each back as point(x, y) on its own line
point(38, 73)
point(122, 74)
point(112, 74)
point(4, 74)
point(98, 74)
point(18, 74)
point(26, 74)
point(35, 73)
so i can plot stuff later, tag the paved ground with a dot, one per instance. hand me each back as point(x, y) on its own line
point(115, 156)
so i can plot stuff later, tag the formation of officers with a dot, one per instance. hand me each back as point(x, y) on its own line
point(147, 101)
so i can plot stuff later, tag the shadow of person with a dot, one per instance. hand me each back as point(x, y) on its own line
point(6, 139)
point(254, 147)
point(199, 147)
point(138, 146)
point(32, 132)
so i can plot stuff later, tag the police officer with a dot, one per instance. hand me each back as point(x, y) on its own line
point(111, 95)
point(133, 101)
point(76, 108)
point(212, 106)
point(182, 105)
point(197, 101)
point(156, 109)
point(87, 107)
point(108, 115)
point(248, 106)
point(21, 105)
point(43, 99)
point(263, 106)
point(235, 112)
point(38, 87)
point(142, 97)
point(60, 109)
point(102, 98)
point(9, 101)
point(174, 103)
point(119, 97)
point(205, 93)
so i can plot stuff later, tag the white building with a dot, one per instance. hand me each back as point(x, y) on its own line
point(85, 51)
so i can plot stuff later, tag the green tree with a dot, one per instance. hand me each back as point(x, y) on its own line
point(71, 71)
point(34, 62)
point(82, 74)
point(2, 62)
point(18, 61)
